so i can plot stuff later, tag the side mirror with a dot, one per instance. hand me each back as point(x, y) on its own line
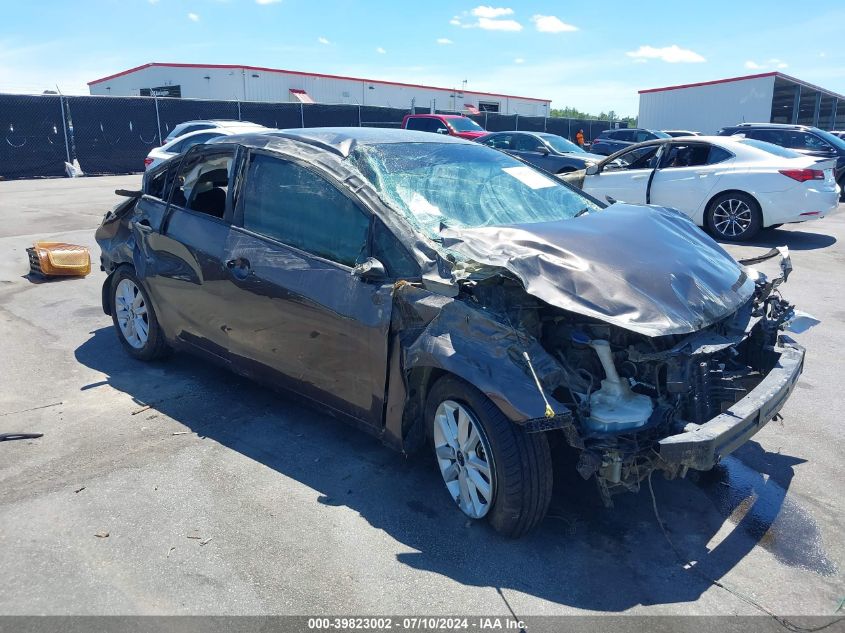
point(370, 269)
point(592, 170)
point(543, 150)
point(442, 130)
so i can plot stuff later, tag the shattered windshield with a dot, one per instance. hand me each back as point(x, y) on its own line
point(438, 185)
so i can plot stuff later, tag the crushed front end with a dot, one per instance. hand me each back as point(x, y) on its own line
point(642, 403)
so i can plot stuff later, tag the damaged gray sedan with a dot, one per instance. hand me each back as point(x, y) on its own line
point(446, 296)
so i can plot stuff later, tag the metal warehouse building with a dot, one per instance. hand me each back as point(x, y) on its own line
point(253, 83)
point(765, 98)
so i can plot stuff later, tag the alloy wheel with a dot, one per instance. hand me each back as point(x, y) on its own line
point(131, 313)
point(732, 217)
point(465, 459)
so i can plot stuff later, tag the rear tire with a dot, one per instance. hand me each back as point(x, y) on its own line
point(734, 216)
point(520, 466)
point(134, 318)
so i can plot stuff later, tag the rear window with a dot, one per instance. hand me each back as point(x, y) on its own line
point(777, 150)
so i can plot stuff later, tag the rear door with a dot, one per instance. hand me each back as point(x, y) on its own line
point(184, 272)
point(626, 178)
point(303, 319)
point(686, 174)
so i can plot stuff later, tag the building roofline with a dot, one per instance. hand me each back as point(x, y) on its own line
point(305, 74)
point(775, 74)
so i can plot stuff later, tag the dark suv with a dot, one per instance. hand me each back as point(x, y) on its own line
point(804, 139)
point(611, 141)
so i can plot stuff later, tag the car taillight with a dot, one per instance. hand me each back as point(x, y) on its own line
point(148, 161)
point(803, 175)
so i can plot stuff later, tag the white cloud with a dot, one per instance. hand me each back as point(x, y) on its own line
point(551, 24)
point(323, 40)
point(264, 1)
point(519, 60)
point(491, 12)
point(772, 63)
point(444, 40)
point(193, 17)
point(487, 18)
point(498, 25)
point(671, 54)
point(380, 51)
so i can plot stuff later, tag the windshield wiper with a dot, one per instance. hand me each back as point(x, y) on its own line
point(582, 212)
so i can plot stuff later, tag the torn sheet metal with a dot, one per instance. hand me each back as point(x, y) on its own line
point(646, 269)
point(472, 344)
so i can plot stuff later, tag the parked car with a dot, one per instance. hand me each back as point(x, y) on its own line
point(733, 187)
point(449, 124)
point(677, 133)
point(205, 124)
point(443, 294)
point(610, 141)
point(805, 139)
point(183, 143)
point(549, 152)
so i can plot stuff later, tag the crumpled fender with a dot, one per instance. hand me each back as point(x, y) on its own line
point(451, 335)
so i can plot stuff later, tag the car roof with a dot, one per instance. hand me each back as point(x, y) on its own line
point(786, 126)
point(436, 116)
point(342, 140)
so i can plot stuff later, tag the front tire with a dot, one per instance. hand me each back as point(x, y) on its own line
point(134, 318)
point(491, 467)
point(734, 216)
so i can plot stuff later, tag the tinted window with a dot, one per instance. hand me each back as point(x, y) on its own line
point(288, 203)
point(390, 252)
point(188, 143)
point(203, 182)
point(158, 184)
point(499, 141)
point(640, 158)
point(685, 155)
point(623, 135)
point(717, 155)
point(642, 135)
point(417, 124)
point(526, 143)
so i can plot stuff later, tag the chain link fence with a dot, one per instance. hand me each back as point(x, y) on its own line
point(113, 135)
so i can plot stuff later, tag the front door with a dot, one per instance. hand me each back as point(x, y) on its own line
point(626, 178)
point(303, 318)
point(686, 175)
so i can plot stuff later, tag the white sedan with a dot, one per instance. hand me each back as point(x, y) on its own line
point(733, 186)
point(183, 143)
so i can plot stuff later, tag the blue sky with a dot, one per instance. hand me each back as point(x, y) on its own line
point(591, 55)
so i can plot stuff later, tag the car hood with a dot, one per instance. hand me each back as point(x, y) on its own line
point(471, 135)
point(585, 156)
point(646, 269)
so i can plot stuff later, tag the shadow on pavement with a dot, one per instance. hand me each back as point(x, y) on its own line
point(583, 555)
point(795, 239)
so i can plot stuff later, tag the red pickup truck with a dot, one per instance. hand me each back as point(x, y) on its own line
point(451, 124)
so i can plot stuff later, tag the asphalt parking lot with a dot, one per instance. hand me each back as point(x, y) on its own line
point(221, 497)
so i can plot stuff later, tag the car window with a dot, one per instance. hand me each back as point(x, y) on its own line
point(500, 141)
point(526, 143)
point(685, 155)
point(812, 142)
point(718, 155)
point(158, 184)
point(295, 206)
point(203, 182)
point(643, 135)
point(188, 143)
point(639, 158)
point(415, 124)
point(390, 252)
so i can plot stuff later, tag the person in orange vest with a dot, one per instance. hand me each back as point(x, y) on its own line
point(579, 138)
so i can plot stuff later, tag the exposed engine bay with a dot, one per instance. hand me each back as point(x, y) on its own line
point(625, 390)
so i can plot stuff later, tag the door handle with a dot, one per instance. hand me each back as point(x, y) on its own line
point(144, 225)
